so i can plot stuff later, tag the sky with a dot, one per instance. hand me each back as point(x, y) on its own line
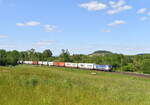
point(81, 26)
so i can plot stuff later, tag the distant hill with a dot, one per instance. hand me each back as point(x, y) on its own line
point(144, 54)
point(101, 53)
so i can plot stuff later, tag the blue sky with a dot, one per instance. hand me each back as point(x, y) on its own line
point(82, 26)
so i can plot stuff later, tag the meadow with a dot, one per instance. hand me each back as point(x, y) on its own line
point(42, 85)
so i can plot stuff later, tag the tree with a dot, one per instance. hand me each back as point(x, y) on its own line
point(47, 53)
point(129, 67)
point(145, 66)
point(65, 56)
point(12, 57)
point(2, 57)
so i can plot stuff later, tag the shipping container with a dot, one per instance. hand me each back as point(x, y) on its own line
point(25, 62)
point(45, 63)
point(55, 64)
point(34, 62)
point(73, 65)
point(21, 62)
point(103, 67)
point(86, 65)
point(50, 63)
point(60, 64)
point(30, 62)
point(40, 63)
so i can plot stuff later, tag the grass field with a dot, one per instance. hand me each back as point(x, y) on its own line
point(31, 85)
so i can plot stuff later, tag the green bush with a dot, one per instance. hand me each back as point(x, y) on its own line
point(145, 66)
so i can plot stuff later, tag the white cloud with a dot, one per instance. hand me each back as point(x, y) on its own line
point(116, 4)
point(49, 28)
point(118, 7)
point(44, 43)
point(148, 13)
point(114, 11)
point(143, 18)
point(107, 31)
point(93, 6)
point(3, 36)
point(142, 11)
point(30, 23)
point(117, 22)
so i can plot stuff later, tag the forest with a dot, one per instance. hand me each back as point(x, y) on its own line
point(132, 63)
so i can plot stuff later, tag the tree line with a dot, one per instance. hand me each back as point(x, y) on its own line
point(120, 62)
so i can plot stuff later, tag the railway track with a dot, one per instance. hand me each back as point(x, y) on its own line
point(133, 74)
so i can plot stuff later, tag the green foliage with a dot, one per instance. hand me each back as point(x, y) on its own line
point(47, 53)
point(30, 82)
point(12, 57)
point(102, 51)
point(145, 66)
point(3, 57)
point(129, 67)
point(64, 56)
point(77, 58)
point(9, 58)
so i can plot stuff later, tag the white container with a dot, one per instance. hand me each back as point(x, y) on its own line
point(50, 63)
point(86, 65)
point(40, 62)
point(21, 62)
point(30, 62)
point(25, 62)
point(73, 65)
point(45, 63)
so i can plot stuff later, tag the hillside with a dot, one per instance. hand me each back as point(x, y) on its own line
point(100, 53)
point(34, 85)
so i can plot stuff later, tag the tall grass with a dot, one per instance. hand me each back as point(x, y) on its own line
point(31, 85)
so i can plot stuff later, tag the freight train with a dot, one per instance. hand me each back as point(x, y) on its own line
point(89, 66)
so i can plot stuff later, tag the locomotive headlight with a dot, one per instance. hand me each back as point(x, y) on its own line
point(107, 67)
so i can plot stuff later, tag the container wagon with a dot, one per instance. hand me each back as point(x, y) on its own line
point(59, 64)
point(34, 62)
point(72, 65)
point(86, 66)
